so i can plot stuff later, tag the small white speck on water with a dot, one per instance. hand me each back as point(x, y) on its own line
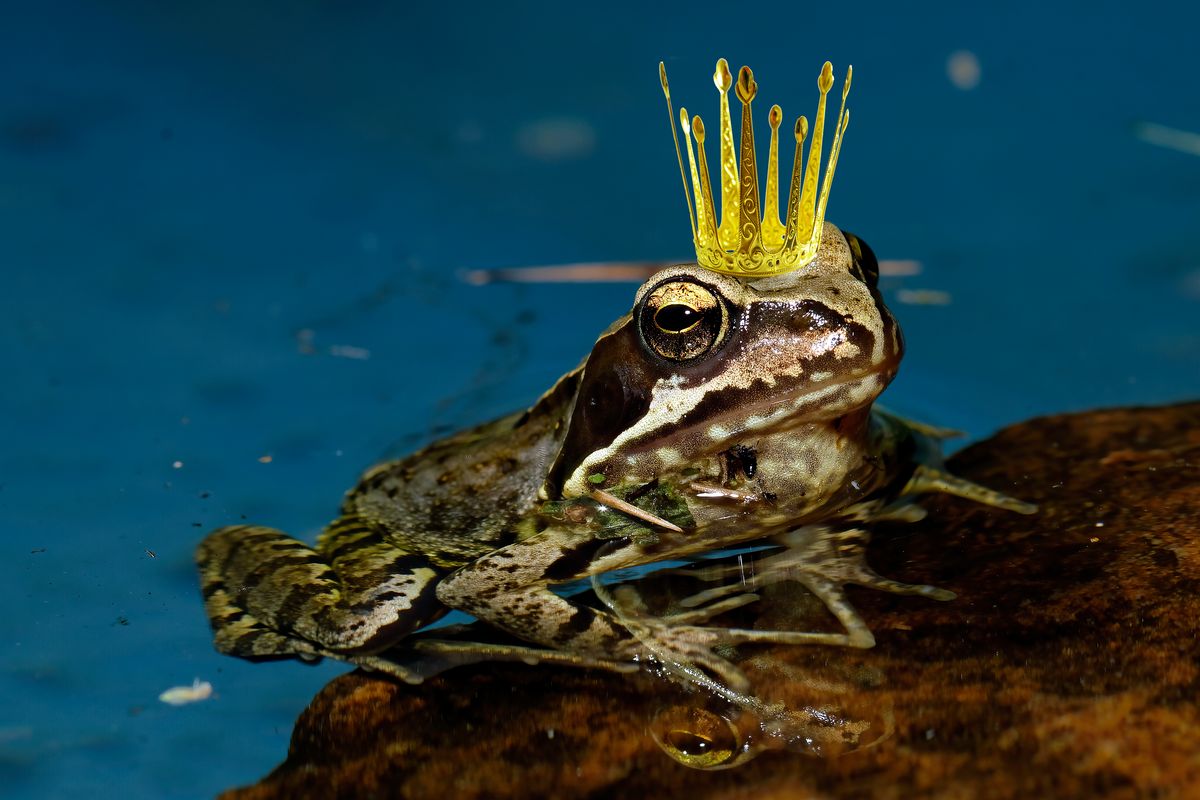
point(183, 695)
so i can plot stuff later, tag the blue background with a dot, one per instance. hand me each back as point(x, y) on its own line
point(186, 186)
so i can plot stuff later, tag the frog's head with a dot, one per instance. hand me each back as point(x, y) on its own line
point(705, 361)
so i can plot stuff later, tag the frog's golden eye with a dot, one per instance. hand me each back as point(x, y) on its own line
point(681, 320)
point(677, 318)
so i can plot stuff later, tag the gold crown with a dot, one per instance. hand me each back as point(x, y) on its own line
point(742, 243)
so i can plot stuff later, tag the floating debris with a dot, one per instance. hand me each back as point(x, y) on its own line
point(304, 341)
point(924, 297)
point(349, 351)
point(306, 346)
point(616, 272)
point(177, 464)
point(267, 459)
point(183, 695)
point(1170, 138)
point(585, 272)
point(557, 139)
point(612, 501)
point(899, 267)
point(963, 70)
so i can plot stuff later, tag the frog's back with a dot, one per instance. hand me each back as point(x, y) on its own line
point(464, 495)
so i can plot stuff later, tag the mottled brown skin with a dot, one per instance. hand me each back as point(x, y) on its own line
point(728, 410)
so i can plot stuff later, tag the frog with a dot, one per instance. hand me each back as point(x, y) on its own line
point(734, 405)
point(719, 411)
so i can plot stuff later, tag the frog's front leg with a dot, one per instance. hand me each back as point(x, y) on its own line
point(823, 559)
point(269, 596)
point(509, 589)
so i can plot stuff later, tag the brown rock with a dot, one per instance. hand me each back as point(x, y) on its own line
point(1068, 666)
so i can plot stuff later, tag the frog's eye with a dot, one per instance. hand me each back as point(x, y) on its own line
point(681, 320)
point(699, 738)
point(864, 259)
point(677, 318)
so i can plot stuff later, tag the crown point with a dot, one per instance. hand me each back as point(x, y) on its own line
point(662, 78)
point(825, 82)
point(846, 83)
point(744, 239)
point(722, 77)
point(746, 87)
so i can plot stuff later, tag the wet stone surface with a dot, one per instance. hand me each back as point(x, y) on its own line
point(1068, 666)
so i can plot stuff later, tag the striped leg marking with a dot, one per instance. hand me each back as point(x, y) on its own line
point(269, 595)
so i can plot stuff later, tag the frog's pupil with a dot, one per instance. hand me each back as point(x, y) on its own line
point(676, 317)
point(689, 743)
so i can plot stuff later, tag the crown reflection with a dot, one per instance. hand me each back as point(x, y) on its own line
point(741, 241)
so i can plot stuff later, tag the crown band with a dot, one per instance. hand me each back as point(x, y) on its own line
point(742, 241)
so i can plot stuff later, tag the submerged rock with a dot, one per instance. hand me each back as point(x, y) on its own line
point(1068, 665)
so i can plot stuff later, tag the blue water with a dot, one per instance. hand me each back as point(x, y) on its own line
point(186, 186)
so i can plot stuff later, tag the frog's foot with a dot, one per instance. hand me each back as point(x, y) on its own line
point(686, 653)
point(270, 596)
point(674, 643)
point(928, 479)
point(823, 560)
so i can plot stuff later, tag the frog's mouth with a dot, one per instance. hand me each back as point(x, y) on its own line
point(814, 401)
point(723, 417)
point(717, 420)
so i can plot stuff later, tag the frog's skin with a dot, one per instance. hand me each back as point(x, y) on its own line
point(754, 423)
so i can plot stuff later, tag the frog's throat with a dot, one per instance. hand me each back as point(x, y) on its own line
point(813, 402)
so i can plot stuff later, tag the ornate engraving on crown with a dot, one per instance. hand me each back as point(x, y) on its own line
point(743, 241)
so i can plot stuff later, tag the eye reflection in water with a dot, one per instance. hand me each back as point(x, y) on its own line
point(817, 702)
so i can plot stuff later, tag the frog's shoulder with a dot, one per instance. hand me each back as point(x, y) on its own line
point(470, 486)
